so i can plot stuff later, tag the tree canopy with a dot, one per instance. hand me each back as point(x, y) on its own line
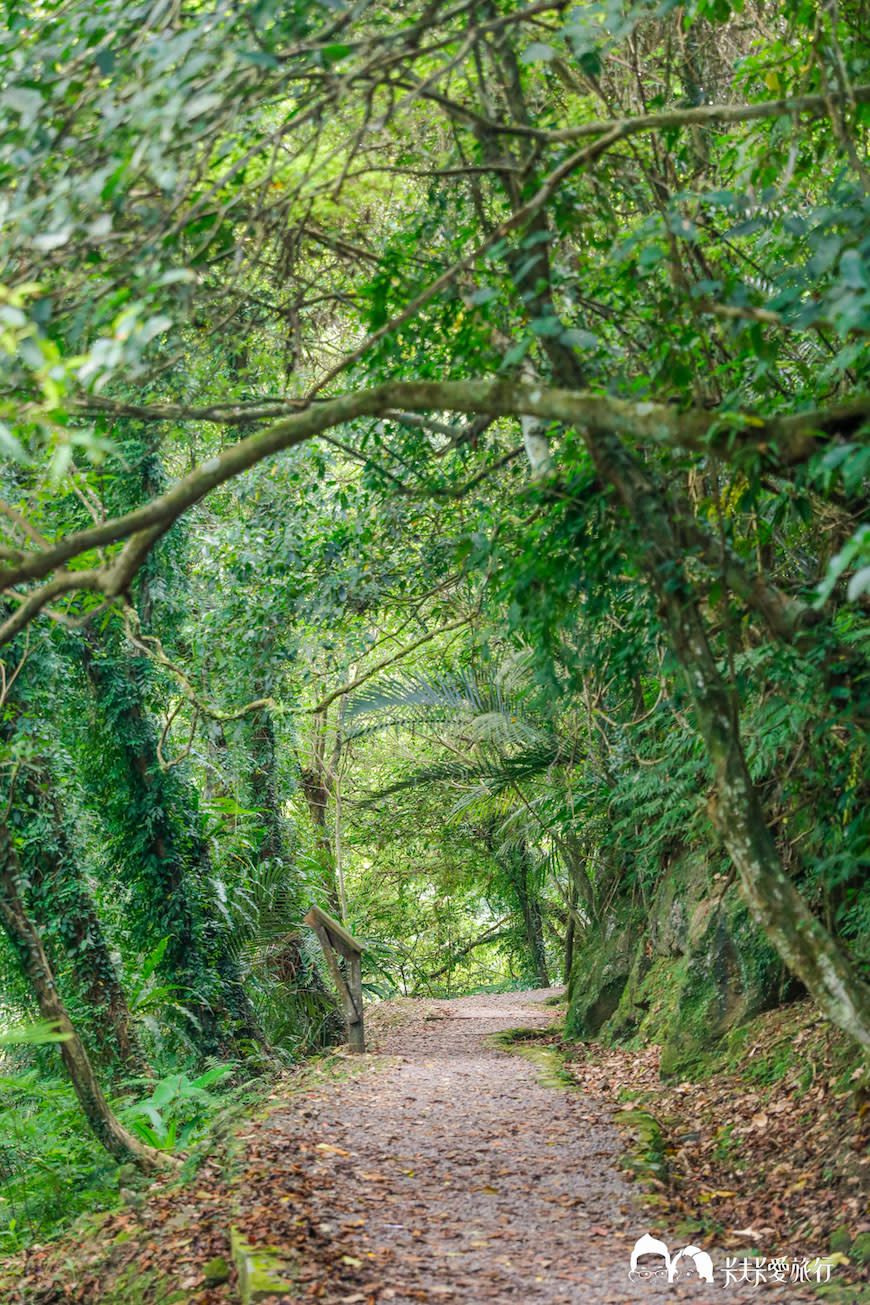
point(435, 483)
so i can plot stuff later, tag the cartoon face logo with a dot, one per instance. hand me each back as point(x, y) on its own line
point(648, 1245)
point(697, 1264)
point(690, 1262)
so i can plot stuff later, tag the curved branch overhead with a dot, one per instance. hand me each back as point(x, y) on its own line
point(782, 441)
point(461, 403)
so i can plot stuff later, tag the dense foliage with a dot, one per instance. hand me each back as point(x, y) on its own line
point(435, 486)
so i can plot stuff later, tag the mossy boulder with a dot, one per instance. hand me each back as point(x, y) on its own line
point(648, 1008)
point(262, 1270)
point(216, 1271)
point(693, 967)
point(732, 974)
point(840, 1240)
point(600, 974)
point(860, 1251)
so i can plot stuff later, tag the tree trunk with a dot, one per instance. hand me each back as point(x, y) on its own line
point(154, 819)
point(290, 964)
point(570, 935)
point(264, 788)
point(316, 788)
point(159, 847)
point(60, 895)
point(533, 920)
point(802, 941)
point(25, 939)
point(777, 906)
point(58, 886)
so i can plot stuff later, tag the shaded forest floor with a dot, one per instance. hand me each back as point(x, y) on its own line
point(440, 1168)
point(766, 1153)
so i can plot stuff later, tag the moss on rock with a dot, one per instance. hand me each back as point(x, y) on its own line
point(216, 1271)
point(732, 975)
point(262, 1270)
point(600, 974)
point(691, 970)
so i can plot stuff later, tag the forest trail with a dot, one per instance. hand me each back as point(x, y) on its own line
point(442, 1168)
point(456, 1174)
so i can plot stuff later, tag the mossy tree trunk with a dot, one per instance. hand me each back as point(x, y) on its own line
point(145, 814)
point(801, 940)
point(317, 784)
point(153, 820)
point(57, 892)
point(515, 864)
point(27, 943)
point(59, 889)
point(290, 964)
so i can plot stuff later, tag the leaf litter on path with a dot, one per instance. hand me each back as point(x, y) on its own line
point(451, 1173)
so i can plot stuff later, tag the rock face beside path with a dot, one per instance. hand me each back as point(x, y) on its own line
point(456, 1175)
point(680, 974)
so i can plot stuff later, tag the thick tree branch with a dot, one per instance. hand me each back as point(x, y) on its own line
point(493, 934)
point(701, 115)
point(782, 440)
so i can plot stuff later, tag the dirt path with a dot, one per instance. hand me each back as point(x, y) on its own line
point(443, 1170)
point(456, 1175)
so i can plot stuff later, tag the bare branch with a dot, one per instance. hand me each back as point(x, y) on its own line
point(701, 115)
point(157, 655)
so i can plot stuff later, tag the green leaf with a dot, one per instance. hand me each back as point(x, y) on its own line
point(11, 448)
point(23, 100)
point(516, 353)
point(546, 326)
point(577, 338)
point(859, 584)
point(35, 1035)
point(852, 270)
point(201, 104)
point(841, 562)
point(538, 52)
point(651, 257)
point(51, 240)
point(333, 53)
point(12, 316)
point(590, 62)
point(30, 352)
point(153, 327)
point(259, 58)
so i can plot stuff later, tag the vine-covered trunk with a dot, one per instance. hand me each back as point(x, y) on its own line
point(570, 935)
point(290, 963)
point(161, 851)
point(528, 899)
point(58, 886)
point(27, 943)
point(800, 939)
point(316, 782)
point(59, 896)
point(264, 788)
point(155, 850)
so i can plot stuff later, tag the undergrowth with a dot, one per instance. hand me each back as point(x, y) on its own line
point(50, 1170)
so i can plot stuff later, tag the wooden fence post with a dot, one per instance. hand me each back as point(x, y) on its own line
point(334, 940)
